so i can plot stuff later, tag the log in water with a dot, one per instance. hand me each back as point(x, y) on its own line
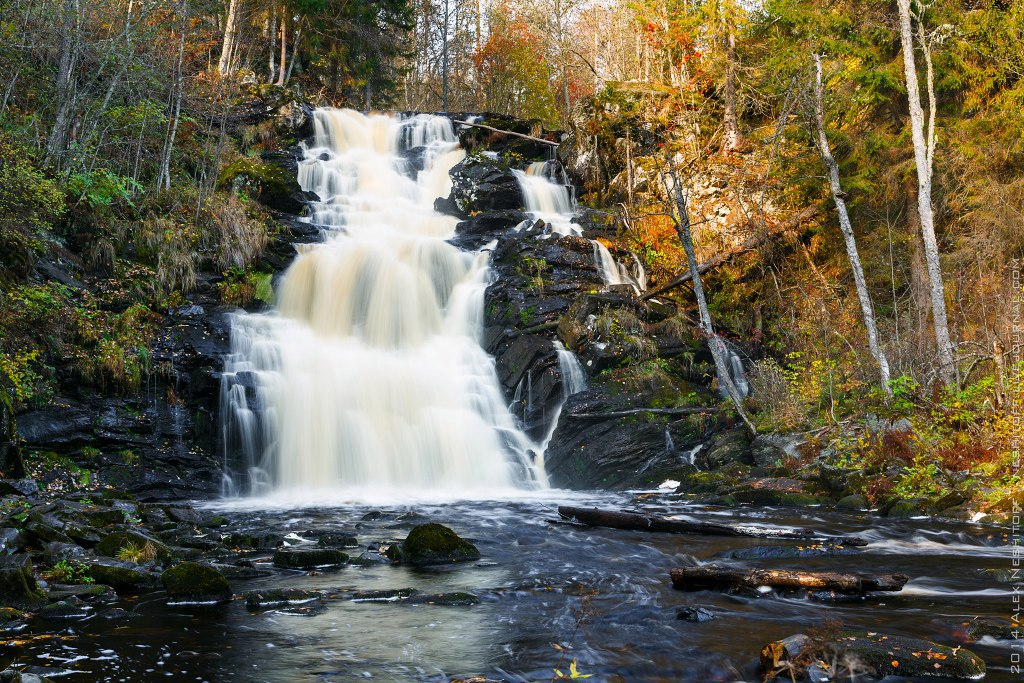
point(716, 577)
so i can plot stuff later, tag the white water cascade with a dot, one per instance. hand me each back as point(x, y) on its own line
point(369, 376)
point(548, 199)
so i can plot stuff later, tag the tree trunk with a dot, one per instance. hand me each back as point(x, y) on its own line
point(710, 576)
point(272, 31)
point(847, 229)
point(58, 138)
point(731, 141)
point(295, 54)
point(947, 366)
point(284, 45)
point(164, 180)
point(226, 64)
point(681, 218)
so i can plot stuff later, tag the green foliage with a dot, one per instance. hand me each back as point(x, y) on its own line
point(68, 571)
point(102, 188)
point(240, 287)
point(533, 269)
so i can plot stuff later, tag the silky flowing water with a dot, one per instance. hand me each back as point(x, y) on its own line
point(363, 403)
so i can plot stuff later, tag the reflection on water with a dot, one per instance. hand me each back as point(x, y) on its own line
point(529, 582)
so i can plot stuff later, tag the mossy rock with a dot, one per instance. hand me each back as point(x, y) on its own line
point(272, 185)
point(453, 599)
point(194, 582)
point(121, 575)
point(10, 614)
point(113, 544)
point(854, 501)
point(436, 544)
point(18, 586)
point(291, 558)
point(878, 654)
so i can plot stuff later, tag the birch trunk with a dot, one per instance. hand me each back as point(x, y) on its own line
point(164, 180)
point(230, 36)
point(681, 218)
point(947, 366)
point(731, 121)
point(847, 228)
point(282, 77)
point(57, 141)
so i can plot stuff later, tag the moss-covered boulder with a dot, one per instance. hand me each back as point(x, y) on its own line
point(18, 587)
point(194, 582)
point(875, 654)
point(122, 576)
point(436, 544)
point(132, 545)
point(309, 558)
point(270, 183)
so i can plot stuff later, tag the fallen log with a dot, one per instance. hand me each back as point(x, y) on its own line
point(632, 521)
point(727, 255)
point(714, 577)
point(508, 132)
point(641, 411)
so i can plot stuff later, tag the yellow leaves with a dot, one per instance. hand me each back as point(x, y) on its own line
point(573, 673)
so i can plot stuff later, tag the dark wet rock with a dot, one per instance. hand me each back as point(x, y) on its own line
point(728, 448)
point(157, 519)
point(389, 595)
point(10, 615)
point(974, 630)
point(311, 558)
point(694, 614)
point(91, 593)
point(101, 516)
point(11, 540)
point(18, 586)
point(71, 608)
point(476, 231)
point(57, 552)
point(185, 515)
point(768, 450)
point(280, 597)
point(903, 509)
point(480, 183)
point(337, 540)
point(617, 453)
point(233, 571)
point(254, 540)
point(19, 487)
point(114, 544)
point(775, 491)
point(453, 599)
point(126, 576)
point(46, 529)
point(194, 582)
point(433, 543)
point(25, 676)
point(1002, 574)
point(854, 501)
point(766, 552)
point(877, 654)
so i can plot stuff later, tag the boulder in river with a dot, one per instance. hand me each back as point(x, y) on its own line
point(194, 582)
point(869, 653)
point(436, 544)
point(309, 558)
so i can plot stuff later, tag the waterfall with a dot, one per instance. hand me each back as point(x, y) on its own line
point(573, 379)
point(546, 191)
point(369, 375)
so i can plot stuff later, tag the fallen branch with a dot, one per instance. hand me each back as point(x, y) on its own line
point(508, 132)
point(712, 576)
point(727, 255)
point(632, 521)
point(641, 411)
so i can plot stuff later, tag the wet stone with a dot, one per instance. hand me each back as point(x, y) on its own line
point(18, 586)
point(697, 615)
point(429, 544)
point(291, 558)
point(72, 608)
point(338, 540)
point(453, 599)
point(280, 598)
point(194, 582)
point(121, 575)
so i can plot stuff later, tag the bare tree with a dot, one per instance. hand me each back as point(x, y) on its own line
point(226, 64)
point(947, 366)
point(847, 228)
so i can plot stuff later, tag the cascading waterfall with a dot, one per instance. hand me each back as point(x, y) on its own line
point(548, 199)
point(369, 375)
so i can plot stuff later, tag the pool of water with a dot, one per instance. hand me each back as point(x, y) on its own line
point(550, 593)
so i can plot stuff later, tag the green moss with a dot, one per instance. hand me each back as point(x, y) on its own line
point(309, 559)
point(194, 581)
point(436, 544)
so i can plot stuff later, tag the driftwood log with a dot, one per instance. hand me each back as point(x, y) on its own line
point(632, 521)
point(715, 577)
point(508, 132)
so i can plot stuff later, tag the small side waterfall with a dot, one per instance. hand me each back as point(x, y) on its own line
point(547, 196)
point(369, 376)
